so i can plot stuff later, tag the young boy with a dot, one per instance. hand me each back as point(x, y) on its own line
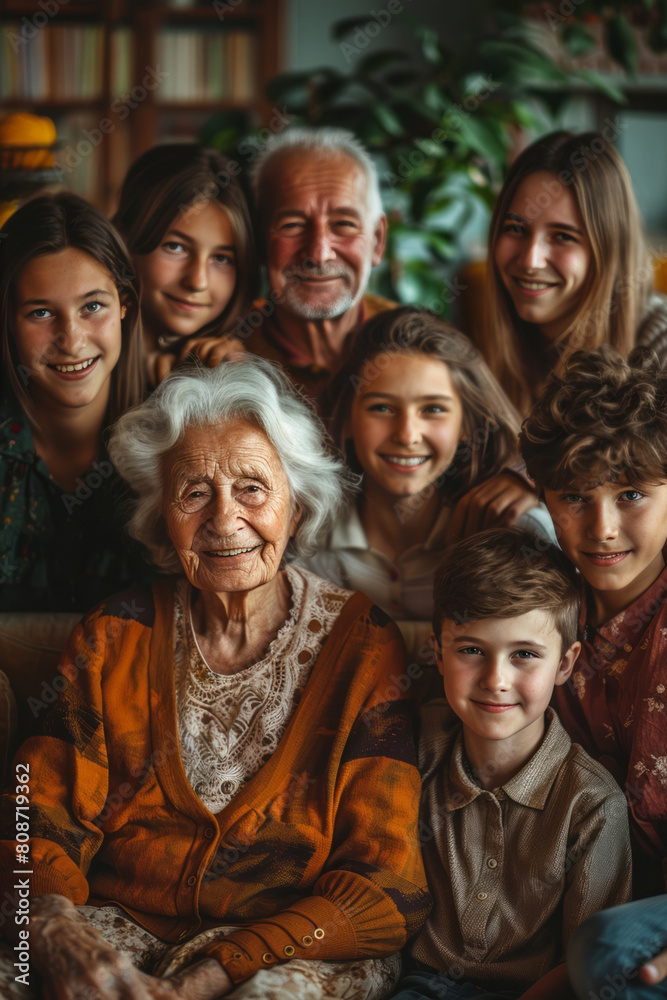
point(596, 446)
point(524, 836)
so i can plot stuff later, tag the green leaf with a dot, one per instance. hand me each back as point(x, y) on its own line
point(508, 60)
point(622, 43)
point(289, 88)
point(603, 84)
point(378, 61)
point(484, 139)
point(401, 78)
point(577, 40)
point(430, 44)
point(387, 119)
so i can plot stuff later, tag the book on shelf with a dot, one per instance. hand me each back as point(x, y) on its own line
point(60, 63)
point(204, 65)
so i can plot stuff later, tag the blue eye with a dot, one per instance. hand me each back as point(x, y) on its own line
point(631, 495)
point(94, 307)
point(471, 651)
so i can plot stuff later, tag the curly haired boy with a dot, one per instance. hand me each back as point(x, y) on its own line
point(596, 446)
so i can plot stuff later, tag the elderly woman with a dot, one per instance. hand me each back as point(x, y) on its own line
point(230, 761)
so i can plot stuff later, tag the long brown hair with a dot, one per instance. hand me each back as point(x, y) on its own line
point(47, 225)
point(490, 423)
point(167, 180)
point(619, 280)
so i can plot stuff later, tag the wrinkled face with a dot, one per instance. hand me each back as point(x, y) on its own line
point(227, 506)
point(614, 534)
point(543, 254)
point(67, 328)
point(499, 674)
point(188, 280)
point(321, 240)
point(406, 422)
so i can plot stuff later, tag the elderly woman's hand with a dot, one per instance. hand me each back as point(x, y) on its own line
point(80, 963)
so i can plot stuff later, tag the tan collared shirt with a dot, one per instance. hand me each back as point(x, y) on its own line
point(514, 871)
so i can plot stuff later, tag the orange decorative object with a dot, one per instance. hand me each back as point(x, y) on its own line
point(26, 141)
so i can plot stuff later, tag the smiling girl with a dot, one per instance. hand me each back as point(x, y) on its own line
point(187, 225)
point(568, 266)
point(419, 414)
point(71, 365)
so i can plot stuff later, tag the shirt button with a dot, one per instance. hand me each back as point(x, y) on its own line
point(492, 863)
point(192, 880)
point(482, 895)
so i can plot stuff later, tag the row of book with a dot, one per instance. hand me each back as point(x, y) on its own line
point(204, 65)
point(66, 63)
point(58, 62)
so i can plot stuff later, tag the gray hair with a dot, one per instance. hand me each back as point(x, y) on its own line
point(337, 141)
point(250, 388)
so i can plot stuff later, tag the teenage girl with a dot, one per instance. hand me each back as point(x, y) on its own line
point(420, 416)
point(70, 365)
point(568, 266)
point(186, 222)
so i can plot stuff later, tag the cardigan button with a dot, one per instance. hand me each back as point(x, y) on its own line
point(192, 880)
point(482, 895)
point(318, 933)
point(209, 832)
point(268, 958)
point(306, 940)
point(492, 863)
point(289, 950)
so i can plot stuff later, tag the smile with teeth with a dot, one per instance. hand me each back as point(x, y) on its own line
point(226, 553)
point(534, 286)
point(409, 461)
point(80, 366)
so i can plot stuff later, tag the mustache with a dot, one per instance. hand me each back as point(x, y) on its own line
point(308, 269)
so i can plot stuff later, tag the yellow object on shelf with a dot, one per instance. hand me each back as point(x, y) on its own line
point(26, 141)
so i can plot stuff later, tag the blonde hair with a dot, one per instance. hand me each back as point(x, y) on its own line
point(619, 277)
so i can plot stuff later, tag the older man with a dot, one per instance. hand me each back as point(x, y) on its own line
point(323, 229)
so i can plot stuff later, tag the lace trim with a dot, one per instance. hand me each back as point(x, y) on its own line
point(229, 725)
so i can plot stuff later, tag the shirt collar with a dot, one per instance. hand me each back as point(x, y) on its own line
point(621, 630)
point(348, 531)
point(530, 786)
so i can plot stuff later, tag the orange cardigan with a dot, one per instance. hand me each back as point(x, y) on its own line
point(318, 856)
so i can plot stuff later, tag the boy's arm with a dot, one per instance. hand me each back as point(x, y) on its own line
point(599, 864)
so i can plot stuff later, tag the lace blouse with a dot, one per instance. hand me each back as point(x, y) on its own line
point(229, 725)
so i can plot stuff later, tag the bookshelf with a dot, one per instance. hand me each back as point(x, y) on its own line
point(118, 76)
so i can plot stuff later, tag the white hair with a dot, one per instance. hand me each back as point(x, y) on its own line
point(251, 388)
point(336, 141)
